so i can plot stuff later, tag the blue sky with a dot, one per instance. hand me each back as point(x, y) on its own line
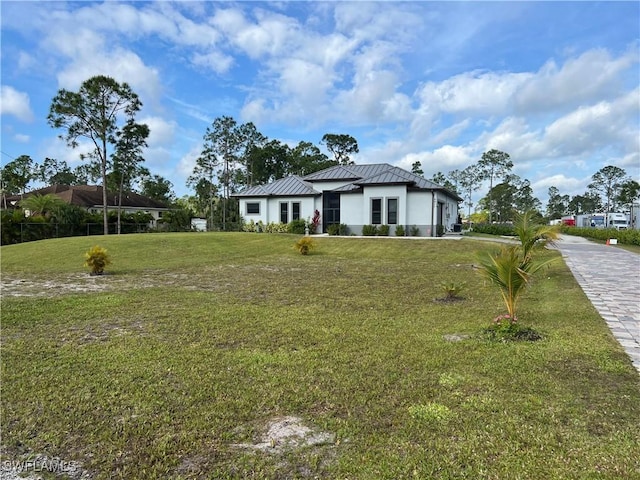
point(555, 85)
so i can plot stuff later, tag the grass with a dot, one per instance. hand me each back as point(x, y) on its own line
point(192, 343)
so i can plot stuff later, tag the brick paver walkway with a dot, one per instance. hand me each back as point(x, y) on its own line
point(610, 277)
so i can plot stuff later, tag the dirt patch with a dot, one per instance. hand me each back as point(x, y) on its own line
point(38, 466)
point(446, 300)
point(285, 433)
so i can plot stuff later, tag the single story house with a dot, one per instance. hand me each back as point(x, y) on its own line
point(354, 195)
point(89, 197)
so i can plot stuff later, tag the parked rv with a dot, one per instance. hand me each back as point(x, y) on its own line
point(619, 221)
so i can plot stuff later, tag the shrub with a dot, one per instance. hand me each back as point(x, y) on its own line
point(383, 230)
point(626, 237)
point(314, 223)
point(96, 259)
point(249, 226)
point(273, 227)
point(338, 229)
point(399, 231)
point(369, 230)
point(297, 226)
point(494, 228)
point(305, 245)
point(439, 230)
point(414, 231)
point(452, 289)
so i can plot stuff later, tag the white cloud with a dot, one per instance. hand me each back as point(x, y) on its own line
point(485, 93)
point(444, 159)
point(21, 138)
point(161, 131)
point(216, 61)
point(599, 126)
point(16, 103)
point(566, 185)
point(592, 75)
point(122, 65)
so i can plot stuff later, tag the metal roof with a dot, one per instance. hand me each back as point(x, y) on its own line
point(358, 175)
point(347, 172)
point(288, 186)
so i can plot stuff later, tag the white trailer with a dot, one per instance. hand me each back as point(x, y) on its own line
point(617, 220)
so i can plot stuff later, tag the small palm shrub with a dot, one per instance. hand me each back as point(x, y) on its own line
point(399, 231)
point(414, 231)
point(305, 245)
point(96, 259)
point(383, 230)
point(452, 289)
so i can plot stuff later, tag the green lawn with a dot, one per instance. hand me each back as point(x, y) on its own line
point(193, 343)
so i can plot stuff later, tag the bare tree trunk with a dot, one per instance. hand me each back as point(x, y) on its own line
point(105, 217)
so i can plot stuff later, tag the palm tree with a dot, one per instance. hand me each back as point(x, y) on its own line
point(533, 235)
point(42, 205)
point(511, 269)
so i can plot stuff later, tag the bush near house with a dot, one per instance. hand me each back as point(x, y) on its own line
point(338, 229)
point(297, 226)
point(369, 230)
point(383, 230)
point(400, 231)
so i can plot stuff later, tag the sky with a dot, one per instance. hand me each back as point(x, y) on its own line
point(555, 85)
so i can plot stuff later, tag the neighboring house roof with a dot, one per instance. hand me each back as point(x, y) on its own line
point(358, 175)
point(288, 186)
point(89, 196)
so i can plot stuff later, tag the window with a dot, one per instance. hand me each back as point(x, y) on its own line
point(253, 208)
point(284, 212)
point(295, 211)
point(392, 211)
point(376, 211)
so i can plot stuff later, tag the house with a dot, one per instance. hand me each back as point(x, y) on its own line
point(89, 197)
point(355, 195)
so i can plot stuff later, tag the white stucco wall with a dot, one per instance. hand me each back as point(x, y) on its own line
point(419, 211)
point(270, 208)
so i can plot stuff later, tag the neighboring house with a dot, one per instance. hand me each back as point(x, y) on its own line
point(355, 195)
point(90, 198)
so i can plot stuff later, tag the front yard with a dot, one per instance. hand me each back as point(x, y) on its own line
point(197, 354)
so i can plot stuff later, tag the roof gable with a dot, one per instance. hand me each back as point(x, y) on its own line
point(287, 186)
point(347, 172)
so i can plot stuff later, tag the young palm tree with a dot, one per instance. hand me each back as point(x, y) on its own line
point(509, 272)
point(511, 269)
point(533, 235)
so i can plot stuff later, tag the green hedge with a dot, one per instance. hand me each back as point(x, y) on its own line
point(625, 237)
point(494, 228)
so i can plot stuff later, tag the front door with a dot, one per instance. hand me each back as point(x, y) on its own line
point(330, 209)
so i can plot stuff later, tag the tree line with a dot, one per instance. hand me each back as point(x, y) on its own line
point(103, 113)
point(235, 156)
point(610, 190)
